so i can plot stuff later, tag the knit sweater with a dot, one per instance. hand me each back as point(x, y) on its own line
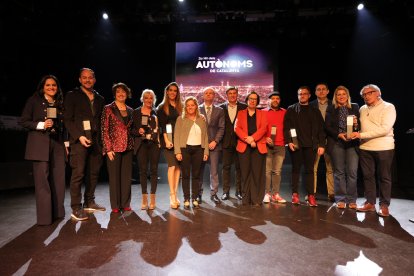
point(377, 126)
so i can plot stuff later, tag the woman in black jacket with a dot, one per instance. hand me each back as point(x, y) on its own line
point(42, 116)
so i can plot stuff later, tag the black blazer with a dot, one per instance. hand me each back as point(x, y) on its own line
point(77, 110)
point(230, 137)
point(137, 124)
point(38, 140)
point(332, 126)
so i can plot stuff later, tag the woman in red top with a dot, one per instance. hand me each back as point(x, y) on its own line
point(118, 146)
point(251, 128)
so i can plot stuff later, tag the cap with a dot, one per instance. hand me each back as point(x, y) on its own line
point(274, 93)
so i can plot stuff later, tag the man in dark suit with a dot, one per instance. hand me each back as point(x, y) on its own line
point(215, 129)
point(321, 103)
point(230, 108)
point(82, 118)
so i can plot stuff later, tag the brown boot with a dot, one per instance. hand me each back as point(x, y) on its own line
point(152, 202)
point(144, 204)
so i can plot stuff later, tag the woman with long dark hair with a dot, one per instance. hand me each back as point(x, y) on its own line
point(42, 116)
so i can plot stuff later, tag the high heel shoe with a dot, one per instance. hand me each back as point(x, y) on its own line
point(177, 200)
point(173, 203)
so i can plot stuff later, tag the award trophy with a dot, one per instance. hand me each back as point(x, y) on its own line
point(273, 131)
point(51, 113)
point(87, 129)
point(349, 126)
point(169, 132)
point(294, 138)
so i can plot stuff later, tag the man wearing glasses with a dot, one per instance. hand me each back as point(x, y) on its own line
point(377, 148)
point(304, 132)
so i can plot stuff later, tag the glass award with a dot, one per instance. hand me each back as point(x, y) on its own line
point(349, 126)
point(294, 138)
point(169, 132)
point(87, 129)
point(273, 131)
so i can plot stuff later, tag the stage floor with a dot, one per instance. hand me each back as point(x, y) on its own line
point(227, 239)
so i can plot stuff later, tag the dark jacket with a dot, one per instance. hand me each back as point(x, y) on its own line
point(292, 121)
point(230, 137)
point(38, 140)
point(332, 126)
point(215, 127)
point(77, 110)
point(164, 119)
point(152, 128)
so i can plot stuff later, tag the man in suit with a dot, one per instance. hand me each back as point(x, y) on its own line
point(82, 118)
point(321, 103)
point(231, 108)
point(215, 129)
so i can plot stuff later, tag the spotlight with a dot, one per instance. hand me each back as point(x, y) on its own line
point(105, 16)
point(180, 0)
point(360, 6)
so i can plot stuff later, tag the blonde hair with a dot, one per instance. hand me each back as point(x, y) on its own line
point(151, 92)
point(341, 87)
point(190, 98)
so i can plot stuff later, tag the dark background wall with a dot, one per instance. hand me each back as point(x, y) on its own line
point(316, 41)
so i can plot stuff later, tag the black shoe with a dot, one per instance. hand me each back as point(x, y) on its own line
point(215, 199)
point(79, 214)
point(92, 206)
point(199, 199)
point(225, 196)
point(239, 196)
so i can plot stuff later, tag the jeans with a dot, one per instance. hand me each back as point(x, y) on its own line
point(345, 163)
point(274, 162)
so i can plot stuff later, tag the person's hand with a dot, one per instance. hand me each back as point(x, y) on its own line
point(168, 144)
point(355, 135)
point(179, 156)
point(141, 131)
point(249, 139)
point(291, 146)
point(85, 141)
point(269, 141)
point(321, 151)
point(342, 136)
point(212, 145)
point(48, 123)
point(205, 157)
point(111, 155)
point(253, 144)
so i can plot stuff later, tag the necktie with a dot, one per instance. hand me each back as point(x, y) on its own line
point(208, 113)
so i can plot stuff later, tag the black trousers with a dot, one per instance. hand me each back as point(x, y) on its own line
point(86, 164)
point(49, 180)
point(148, 152)
point(252, 166)
point(191, 166)
point(229, 158)
point(120, 173)
point(305, 156)
point(376, 166)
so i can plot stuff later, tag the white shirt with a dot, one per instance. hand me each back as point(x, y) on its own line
point(194, 136)
point(232, 110)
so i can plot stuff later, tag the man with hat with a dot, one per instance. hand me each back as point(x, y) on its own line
point(275, 149)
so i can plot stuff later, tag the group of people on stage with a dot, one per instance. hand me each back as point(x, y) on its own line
point(82, 130)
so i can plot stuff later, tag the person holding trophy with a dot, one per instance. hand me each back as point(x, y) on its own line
point(147, 145)
point(82, 117)
point(42, 116)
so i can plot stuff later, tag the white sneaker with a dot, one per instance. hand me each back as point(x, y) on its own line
point(266, 198)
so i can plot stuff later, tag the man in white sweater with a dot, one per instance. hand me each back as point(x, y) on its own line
point(377, 148)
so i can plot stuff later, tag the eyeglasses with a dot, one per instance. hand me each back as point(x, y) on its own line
point(252, 99)
point(369, 93)
point(303, 94)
